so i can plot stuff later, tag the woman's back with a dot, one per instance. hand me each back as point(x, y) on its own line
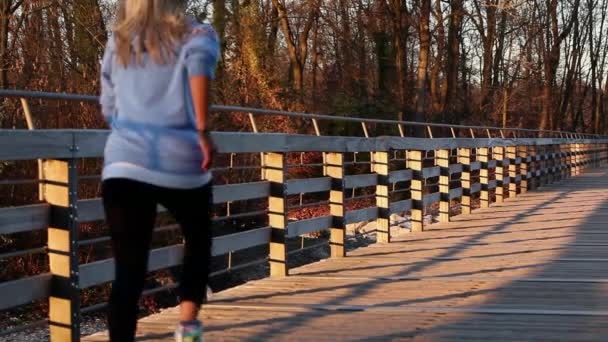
point(149, 106)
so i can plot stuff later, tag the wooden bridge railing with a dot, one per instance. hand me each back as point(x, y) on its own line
point(491, 169)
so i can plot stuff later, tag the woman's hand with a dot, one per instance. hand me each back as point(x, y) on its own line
point(208, 150)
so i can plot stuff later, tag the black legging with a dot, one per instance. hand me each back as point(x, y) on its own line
point(130, 208)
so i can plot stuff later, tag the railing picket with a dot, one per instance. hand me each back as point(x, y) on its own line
point(334, 168)
point(514, 164)
point(484, 176)
point(381, 167)
point(61, 192)
point(498, 154)
point(442, 159)
point(522, 152)
point(275, 172)
point(464, 158)
point(415, 162)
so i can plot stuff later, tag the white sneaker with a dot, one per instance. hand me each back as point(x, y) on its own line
point(189, 332)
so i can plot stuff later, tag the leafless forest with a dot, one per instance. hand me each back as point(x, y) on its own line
point(523, 63)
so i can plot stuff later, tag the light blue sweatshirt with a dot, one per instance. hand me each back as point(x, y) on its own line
point(149, 108)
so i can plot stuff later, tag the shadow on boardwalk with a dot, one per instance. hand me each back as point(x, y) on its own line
point(554, 301)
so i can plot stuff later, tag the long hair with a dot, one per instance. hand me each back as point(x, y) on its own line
point(155, 27)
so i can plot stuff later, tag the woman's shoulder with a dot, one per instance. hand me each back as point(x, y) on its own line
point(202, 37)
point(202, 31)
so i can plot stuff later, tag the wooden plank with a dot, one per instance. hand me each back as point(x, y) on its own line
point(301, 227)
point(335, 169)
point(483, 155)
point(360, 181)
point(58, 144)
point(442, 160)
point(431, 172)
point(456, 168)
point(239, 241)
point(102, 271)
point(90, 210)
point(240, 192)
point(24, 291)
point(415, 162)
point(400, 176)
point(90, 143)
point(401, 206)
point(476, 188)
point(464, 157)
point(393, 309)
point(275, 171)
point(309, 185)
point(455, 193)
point(36, 144)
point(24, 219)
point(61, 193)
point(99, 272)
point(383, 200)
point(361, 215)
point(475, 166)
point(431, 198)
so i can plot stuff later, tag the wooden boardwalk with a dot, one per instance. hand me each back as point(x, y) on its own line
point(534, 268)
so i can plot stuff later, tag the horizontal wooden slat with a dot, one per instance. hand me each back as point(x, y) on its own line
point(240, 192)
point(24, 291)
point(400, 176)
point(361, 215)
point(301, 186)
point(475, 188)
point(360, 181)
point(90, 143)
point(431, 198)
point(24, 219)
point(239, 241)
point(27, 145)
point(475, 166)
point(401, 206)
point(430, 172)
point(492, 184)
point(455, 193)
point(300, 227)
point(102, 271)
point(58, 144)
point(90, 210)
point(456, 168)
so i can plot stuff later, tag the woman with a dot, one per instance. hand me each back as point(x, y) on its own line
point(155, 79)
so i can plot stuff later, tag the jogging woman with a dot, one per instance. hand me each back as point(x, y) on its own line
point(154, 95)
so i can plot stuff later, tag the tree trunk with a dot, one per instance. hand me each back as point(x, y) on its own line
point(297, 45)
point(454, 38)
point(5, 15)
point(423, 59)
point(219, 23)
point(488, 38)
point(437, 66)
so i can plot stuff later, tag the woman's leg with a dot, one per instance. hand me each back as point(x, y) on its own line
point(130, 209)
point(192, 210)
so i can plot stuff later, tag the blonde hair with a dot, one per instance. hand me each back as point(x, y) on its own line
point(155, 27)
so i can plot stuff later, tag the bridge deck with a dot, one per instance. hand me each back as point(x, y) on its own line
point(527, 269)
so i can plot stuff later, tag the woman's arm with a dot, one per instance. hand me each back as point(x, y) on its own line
point(199, 87)
point(107, 98)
